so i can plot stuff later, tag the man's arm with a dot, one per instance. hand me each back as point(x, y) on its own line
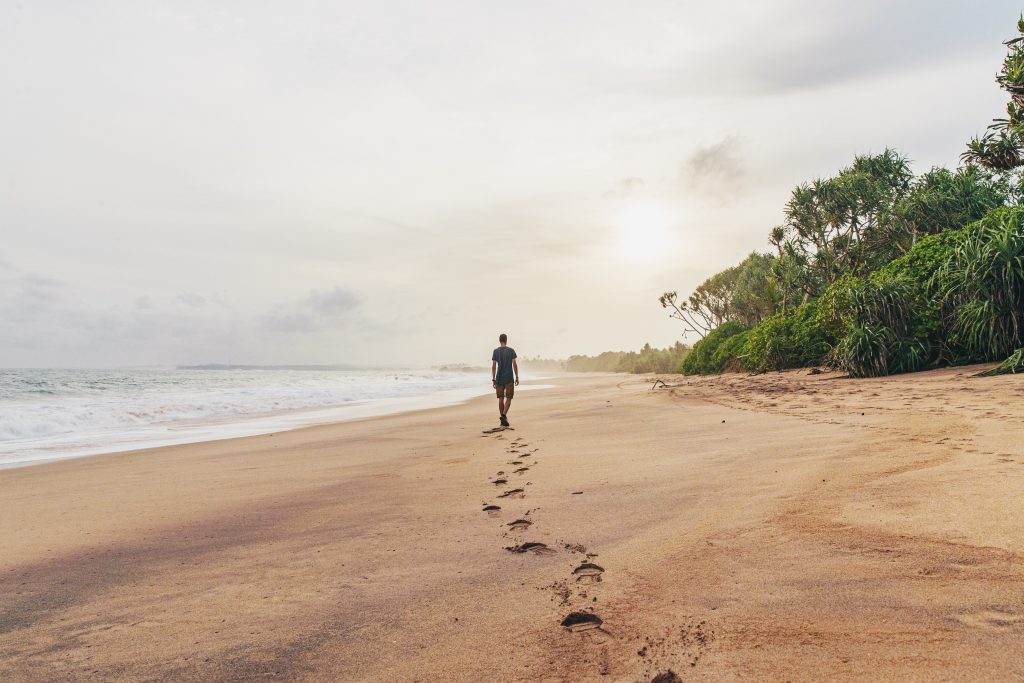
point(515, 366)
point(494, 369)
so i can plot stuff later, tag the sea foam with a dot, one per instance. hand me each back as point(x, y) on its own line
point(52, 414)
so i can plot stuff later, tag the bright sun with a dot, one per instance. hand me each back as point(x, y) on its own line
point(644, 231)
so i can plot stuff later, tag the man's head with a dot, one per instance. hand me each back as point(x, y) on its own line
point(503, 338)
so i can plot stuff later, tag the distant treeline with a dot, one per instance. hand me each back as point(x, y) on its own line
point(648, 359)
point(538, 363)
point(878, 271)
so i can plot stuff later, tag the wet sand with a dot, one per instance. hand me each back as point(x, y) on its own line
point(781, 527)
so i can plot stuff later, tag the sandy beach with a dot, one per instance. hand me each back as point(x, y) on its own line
point(787, 526)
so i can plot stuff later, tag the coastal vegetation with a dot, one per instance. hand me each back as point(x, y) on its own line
point(648, 359)
point(877, 270)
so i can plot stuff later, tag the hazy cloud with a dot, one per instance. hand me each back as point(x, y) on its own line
point(285, 321)
point(788, 46)
point(716, 170)
point(26, 295)
point(831, 42)
point(41, 288)
point(626, 188)
point(192, 299)
point(333, 302)
point(319, 310)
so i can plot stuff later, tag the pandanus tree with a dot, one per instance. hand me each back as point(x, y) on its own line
point(942, 199)
point(1001, 148)
point(839, 225)
point(981, 286)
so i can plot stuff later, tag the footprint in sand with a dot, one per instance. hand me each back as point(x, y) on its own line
point(588, 572)
point(669, 676)
point(520, 525)
point(521, 470)
point(535, 548)
point(500, 482)
point(582, 621)
point(515, 462)
point(492, 510)
point(995, 619)
point(513, 493)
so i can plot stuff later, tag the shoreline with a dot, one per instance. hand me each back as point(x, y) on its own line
point(240, 426)
point(784, 526)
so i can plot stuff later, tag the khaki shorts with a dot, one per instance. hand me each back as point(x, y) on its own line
point(505, 390)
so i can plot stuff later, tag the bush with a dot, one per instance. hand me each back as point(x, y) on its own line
point(792, 339)
point(1010, 366)
point(957, 296)
point(835, 307)
point(701, 359)
point(731, 355)
point(883, 324)
point(891, 320)
point(926, 257)
point(981, 288)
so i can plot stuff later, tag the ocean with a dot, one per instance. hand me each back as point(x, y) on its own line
point(53, 414)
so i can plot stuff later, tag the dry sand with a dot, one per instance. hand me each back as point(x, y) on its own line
point(782, 527)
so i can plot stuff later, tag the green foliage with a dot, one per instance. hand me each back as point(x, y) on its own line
point(998, 150)
point(757, 294)
point(884, 325)
point(981, 288)
point(941, 199)
point(1001, 148)
point(835, 306)
point(793, 339)
point(956, 296)
point(731, 354)
point(746, 293)
point(889, 321)
point(1010, 366)
point(843, 224)
point(925, 259)
point(649, 359)
point(701, 359)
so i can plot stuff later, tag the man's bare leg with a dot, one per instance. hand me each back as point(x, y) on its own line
point(501, 406)
point(505, 407)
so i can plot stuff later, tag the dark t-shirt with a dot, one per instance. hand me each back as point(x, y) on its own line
point(504, 355)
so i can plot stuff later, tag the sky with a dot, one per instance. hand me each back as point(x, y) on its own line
point(396, 182)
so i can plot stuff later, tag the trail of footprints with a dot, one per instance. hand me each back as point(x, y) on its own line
point(576, 593)
point(577, 586)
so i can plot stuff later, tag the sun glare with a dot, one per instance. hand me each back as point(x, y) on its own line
point(644, 231)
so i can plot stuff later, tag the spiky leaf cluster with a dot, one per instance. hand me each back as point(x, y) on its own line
point(1001, 148)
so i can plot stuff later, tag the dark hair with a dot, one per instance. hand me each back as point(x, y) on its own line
point(503, 338)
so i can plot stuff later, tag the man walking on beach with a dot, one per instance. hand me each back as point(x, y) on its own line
point(503, 370)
